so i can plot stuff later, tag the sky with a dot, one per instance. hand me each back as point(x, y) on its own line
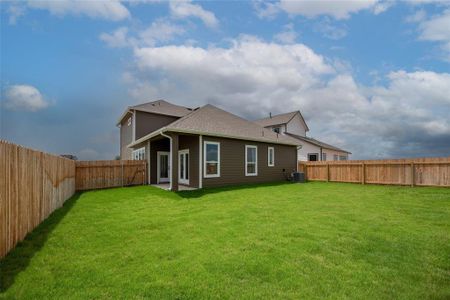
point(371, 77)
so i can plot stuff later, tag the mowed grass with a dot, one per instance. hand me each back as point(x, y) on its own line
point(314, 240)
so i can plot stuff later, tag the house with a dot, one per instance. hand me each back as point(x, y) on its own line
point(204, 147)
point(293, 125)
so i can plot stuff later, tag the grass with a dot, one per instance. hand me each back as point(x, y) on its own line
point(315, 240)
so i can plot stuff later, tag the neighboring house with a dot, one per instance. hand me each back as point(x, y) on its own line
point(204, 147)
point(293, 125)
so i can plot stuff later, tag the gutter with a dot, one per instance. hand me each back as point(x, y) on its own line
point(155, 133)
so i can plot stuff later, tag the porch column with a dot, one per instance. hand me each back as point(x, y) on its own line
point(174, 166)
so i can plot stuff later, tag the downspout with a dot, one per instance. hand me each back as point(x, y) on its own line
point(170, 158)
point(298, 148)
point(320, 153)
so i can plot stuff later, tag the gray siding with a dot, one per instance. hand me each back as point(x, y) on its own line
point(155, 146)
point(191, 142)
point(126, 137)
point(232, 167)
point(148, 122)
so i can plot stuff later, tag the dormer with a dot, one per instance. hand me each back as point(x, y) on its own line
point(291, 122)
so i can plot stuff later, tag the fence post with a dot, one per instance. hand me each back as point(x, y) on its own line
point(121, 163)
point(328, 172)
point(412, 175)
point(363, 173)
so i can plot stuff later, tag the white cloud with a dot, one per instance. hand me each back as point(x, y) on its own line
point(24, 98)
point(406, 117)
point(265, 9)
point(185, 9)
point(288, 35)
point(336, 9)
point(104, 9)
point(437, 29)
point(418, 16)
point(330, 31)
point(117, 39)
point(15, 11)
point(159, 31)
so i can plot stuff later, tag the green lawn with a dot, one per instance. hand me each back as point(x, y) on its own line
point(314, 240)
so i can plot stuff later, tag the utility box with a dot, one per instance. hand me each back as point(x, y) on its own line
point(298, 177)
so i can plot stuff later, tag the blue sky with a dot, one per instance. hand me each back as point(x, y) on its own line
point(369, 76)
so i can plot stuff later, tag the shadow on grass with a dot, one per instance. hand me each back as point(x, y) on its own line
point(214, 190)
point(18, 259)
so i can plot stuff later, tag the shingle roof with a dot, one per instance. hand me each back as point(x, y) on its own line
point(317, 142)
point(280, 119)
point(211, 120)
point(163, 107)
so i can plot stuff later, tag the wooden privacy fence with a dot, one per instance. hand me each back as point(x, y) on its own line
point(413, 172)
point(110, 173)
point(32, 185)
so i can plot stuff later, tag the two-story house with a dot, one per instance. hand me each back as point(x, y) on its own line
point(293, 125)
point(203, 147)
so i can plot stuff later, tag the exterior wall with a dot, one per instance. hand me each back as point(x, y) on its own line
point(155, 146)
point(232, 162)
point(148, 122)
point(191, 142)
point(295, 126)
point(311, 148)
point(330, 154)
point(307, 148)
point(126, 137)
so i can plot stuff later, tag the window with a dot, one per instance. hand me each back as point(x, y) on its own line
point(211, 159)
point(324, 156)
point(138, 154)
point(343, 157)
point(276, 129)
point(270, 156)
point(335, 157)
point(129, 121)
point(251, 160)
point(313, 156)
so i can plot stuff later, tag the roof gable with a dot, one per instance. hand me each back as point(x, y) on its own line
point(160, 107)
point(163, 107)
point(281, 119)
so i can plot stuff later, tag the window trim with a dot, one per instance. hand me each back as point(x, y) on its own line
point(139, 152)
point(324, 156)
point(205, 175)
point(273, 156)
point(256, 160)
point(316, 154)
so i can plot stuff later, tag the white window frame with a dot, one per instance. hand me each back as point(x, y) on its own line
point(138, 154)
point(186, 162)
point(205, 175)
point(256, 160)
point(273, 156)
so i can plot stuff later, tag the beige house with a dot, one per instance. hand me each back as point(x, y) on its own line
point(293, 125)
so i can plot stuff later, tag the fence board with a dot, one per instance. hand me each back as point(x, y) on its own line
point(32, 185)
point(414, 171)
point(110, 173)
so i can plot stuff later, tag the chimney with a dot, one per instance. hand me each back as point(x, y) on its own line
point(270, 115)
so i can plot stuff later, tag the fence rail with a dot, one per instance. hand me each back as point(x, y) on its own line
point(110, 173)
point(413, 172)
point(32, 185)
